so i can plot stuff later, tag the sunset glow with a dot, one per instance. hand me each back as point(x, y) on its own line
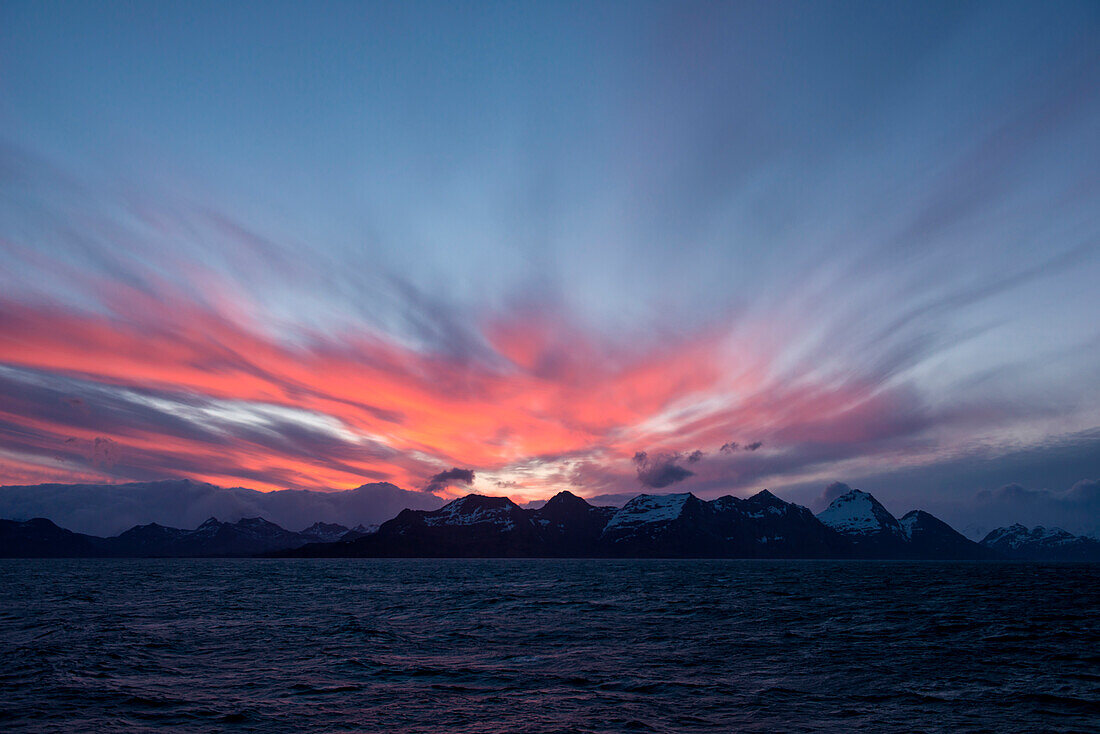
point(652, 251)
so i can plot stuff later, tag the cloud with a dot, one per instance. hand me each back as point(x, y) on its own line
point(1076, 509)
point(661, 470)
point(732, 446)
point(1085, 492)
point(182, 390)
point(441, 480)
point(831, 492)
point(981, 487)
point(50, 423)
point(695, 456)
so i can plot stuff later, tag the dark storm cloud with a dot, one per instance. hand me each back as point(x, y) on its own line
point(732, 446)
point(450, 476)
point(660, 470)
point(695, 456)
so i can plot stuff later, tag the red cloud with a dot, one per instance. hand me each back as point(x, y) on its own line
point(551, 391)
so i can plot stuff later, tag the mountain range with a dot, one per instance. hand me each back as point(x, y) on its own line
point(854, 525)
point(251, 536)
point(108, 509)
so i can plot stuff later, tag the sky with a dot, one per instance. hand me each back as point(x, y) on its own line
point(517, 248)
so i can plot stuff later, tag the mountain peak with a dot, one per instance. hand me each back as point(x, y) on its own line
point(931, 537)
point(650, 508)
point(564, 499)
point(766, 497)
point(859, 513)
point(473, 509)
point(473, 501)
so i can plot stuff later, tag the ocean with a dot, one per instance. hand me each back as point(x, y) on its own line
point(351, 645)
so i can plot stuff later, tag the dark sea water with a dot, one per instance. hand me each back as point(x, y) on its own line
point(546, 646)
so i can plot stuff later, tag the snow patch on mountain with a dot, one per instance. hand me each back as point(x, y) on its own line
point(473, 510)
point(1017, 535)
point(858, 513)
point(324, 532)
point(907, 524)
point(648, 508)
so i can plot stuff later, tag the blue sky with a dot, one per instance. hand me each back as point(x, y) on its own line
point(892, 206)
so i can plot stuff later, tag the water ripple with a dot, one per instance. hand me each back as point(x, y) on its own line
point(547, 646)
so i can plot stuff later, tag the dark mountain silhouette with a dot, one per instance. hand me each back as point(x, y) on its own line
point(569, 524)
point(40, 538)
point(855, 525)
point(765, 526)
point(657, 526)
point(246, 537)
point(148, 540)
point(930, 537)
point(471, 526)
point(357, 532)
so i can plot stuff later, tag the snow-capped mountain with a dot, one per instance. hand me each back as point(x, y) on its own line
point(684, 525)
point(859, 514)
point(648, 510)
point(1042, 544)
point(470, 526)
point(860, 518)
point(875, 533)
point(474, 509)
point(663, 526)
point(648, 525)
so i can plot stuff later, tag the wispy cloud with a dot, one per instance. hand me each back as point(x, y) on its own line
point(743, 253)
